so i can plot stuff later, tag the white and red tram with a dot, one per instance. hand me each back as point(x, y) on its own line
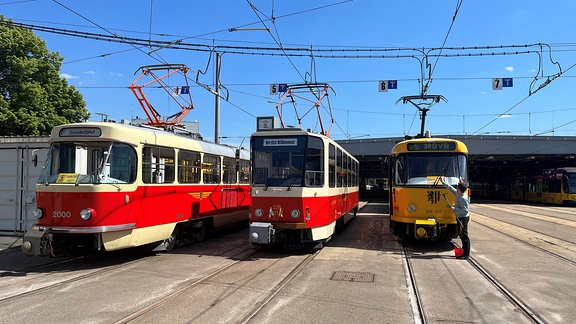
point(304, 187)
point(109, 186)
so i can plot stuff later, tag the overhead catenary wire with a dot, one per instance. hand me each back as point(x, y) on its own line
point(429, 81)
point(473, 51)
point(158, 58)
point(548, 81)
point(316, 51)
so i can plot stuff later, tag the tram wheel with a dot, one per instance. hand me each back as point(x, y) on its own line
point(170, 242)
point(199, 233)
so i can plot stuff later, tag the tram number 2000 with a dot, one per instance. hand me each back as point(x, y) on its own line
point(61, 214)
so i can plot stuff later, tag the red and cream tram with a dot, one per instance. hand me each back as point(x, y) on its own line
point(304, 187)
point(109, 186)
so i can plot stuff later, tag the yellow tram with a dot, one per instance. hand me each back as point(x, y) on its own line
point(419, 203)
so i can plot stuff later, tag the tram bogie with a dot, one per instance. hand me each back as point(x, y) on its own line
point(108, 186)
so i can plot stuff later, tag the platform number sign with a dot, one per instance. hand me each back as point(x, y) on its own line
point(184, 90)
point(499, 83)
point(385, 85)
point(276, 88)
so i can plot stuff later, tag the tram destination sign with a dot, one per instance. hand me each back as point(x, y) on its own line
point(80, 132)
point(432, 146)
point(280, 142)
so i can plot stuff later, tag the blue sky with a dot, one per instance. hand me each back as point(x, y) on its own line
point(103, 70)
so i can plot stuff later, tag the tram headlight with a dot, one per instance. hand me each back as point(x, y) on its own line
point(38, 213)
point(295, 213)
point(258, 212)
point(87, 213)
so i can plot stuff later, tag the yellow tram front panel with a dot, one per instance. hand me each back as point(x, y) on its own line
point(413, 204)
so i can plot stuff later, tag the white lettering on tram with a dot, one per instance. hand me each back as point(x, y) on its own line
point(280, 141)
point(61, 214)
point(437, 146)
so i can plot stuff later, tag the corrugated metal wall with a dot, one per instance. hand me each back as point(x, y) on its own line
point(18, 177)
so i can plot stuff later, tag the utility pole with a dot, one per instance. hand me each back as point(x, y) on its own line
point(217, 103)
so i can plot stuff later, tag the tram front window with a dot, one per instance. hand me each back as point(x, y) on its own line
point(571, 181)
point(89, 162)
point(278, 161)
point(420, 169)
point(278, 168)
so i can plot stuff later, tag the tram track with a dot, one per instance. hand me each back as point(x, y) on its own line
point(63, 282)
point(212, 277)
point(535, 215)
point(551, 242)
point(417, 301)
point(525, 242)
point(413, 292)
point(242, 256)
point(102, 265)
point(278, 288)
point(531, 229)
point(510, 296)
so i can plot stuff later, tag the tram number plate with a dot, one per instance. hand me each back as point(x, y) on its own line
point(433, 211)
point(277, 211)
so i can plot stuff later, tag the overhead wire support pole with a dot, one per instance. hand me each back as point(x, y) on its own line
point(217, 102)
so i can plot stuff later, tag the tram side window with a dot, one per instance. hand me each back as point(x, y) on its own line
point(354, 174)
point(244, 171)
point(211, 169)
point(315, 163)
point(158, 164)
point(229, 166)
point(347, 178)
point(551, 185)
point(399, 172)
point(122, 163)
point(332, 166)
point(188, 167)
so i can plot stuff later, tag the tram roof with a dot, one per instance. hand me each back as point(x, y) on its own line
point(151, 135)
point(490, 153)
point(477, 145)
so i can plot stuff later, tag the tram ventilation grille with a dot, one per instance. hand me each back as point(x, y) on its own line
point(352, 276)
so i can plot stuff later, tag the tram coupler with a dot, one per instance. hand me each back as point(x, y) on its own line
point(261, 233)
point(426, 228)
point(36, 243)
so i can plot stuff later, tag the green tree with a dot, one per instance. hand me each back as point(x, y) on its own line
point(33, 96)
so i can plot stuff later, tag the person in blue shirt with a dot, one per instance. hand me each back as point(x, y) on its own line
point(461, 209)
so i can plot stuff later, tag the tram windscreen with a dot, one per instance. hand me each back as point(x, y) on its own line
point(571, 182)
point(425, 169)
point(89, 162)
point(292, 161)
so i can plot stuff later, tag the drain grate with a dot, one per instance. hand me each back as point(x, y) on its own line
point(352, 276)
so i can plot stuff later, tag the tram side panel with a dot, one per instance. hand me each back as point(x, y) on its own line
point(550, 186)
point(96, 193)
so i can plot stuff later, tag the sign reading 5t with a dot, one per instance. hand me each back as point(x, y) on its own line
point(384, 85)
point(275, 88)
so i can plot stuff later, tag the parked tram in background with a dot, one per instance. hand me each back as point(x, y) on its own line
point(550, 186)
point(419, 203)
point(304, 188)
point(109, 186)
